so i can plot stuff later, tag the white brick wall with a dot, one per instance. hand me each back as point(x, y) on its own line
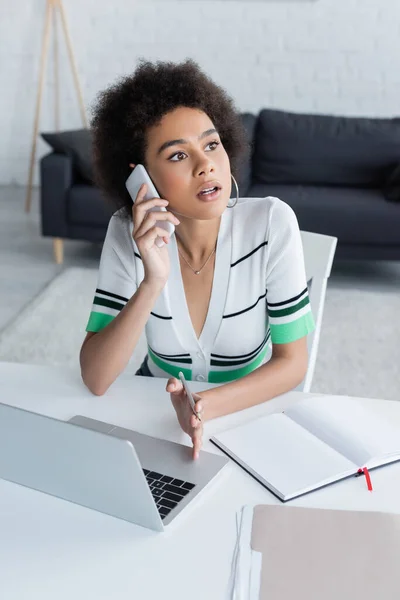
point(334, 56)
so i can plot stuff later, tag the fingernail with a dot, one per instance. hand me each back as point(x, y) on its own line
point(196, 455)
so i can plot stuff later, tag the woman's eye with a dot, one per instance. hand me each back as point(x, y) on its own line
point(177, 157)
point(214, 144)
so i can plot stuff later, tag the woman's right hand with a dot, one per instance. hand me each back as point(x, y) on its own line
point(155, 260)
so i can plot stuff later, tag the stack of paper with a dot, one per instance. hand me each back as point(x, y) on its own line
point(287, 552)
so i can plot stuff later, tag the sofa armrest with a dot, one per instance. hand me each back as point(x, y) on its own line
point(56, 179)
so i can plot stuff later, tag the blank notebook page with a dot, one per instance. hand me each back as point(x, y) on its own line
point(348, 425)
point(283, 454)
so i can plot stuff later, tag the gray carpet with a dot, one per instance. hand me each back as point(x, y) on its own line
point(358, 352)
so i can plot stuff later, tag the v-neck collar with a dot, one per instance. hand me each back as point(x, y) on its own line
point(176, 292)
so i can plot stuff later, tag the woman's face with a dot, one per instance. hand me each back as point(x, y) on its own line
point(185, 155)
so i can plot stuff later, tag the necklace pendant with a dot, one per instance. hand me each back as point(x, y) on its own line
point(197, 272)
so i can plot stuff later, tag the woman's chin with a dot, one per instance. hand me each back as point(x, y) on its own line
point(211, 210)
point(202, 210)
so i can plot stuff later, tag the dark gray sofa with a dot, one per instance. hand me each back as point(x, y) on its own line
point(335, 172)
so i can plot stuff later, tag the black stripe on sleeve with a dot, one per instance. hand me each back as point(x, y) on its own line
point(111, 295)
point(288, 301)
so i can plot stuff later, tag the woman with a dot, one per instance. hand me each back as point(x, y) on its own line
point(227, 287)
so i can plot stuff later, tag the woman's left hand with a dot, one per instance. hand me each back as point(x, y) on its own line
point(187, 420)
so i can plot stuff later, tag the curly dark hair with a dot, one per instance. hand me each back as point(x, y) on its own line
point(123, 113)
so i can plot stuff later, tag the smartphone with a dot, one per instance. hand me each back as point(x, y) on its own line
point(189, 395)
point(135, 180)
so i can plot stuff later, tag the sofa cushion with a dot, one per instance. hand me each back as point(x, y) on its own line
point(354, 216)
point(295, 148)
point(392, 186)
point(78, 144)
point(245, 170)
point(86, 206)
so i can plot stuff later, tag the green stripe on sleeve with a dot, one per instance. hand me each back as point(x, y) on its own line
point(283, 312)
point(108, 303)
point(290, 332)
point(97, 321)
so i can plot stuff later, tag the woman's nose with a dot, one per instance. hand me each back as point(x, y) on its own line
point(205, 168)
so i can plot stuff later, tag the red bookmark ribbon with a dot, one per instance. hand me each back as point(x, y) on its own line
point(367, 477)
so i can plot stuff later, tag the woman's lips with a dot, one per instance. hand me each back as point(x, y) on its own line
point(210, 197)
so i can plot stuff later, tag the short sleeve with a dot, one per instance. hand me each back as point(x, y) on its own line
point(288, 304)
point(116, 281)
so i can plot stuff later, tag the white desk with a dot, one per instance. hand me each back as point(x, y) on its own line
point(52, 549)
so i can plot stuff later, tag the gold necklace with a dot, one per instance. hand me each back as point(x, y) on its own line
point(198, 271)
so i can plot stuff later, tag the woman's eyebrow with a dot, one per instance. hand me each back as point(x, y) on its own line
point(166, 145)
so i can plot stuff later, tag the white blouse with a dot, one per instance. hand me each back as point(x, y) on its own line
point(259, 295)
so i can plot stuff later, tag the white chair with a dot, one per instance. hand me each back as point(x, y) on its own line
point(319, 251)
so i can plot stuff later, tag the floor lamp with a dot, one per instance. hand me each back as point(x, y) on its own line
point(52, 8)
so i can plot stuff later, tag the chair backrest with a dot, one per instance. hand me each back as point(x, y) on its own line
point(319, 251)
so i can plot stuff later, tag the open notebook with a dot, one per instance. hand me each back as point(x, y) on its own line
point(314, 443)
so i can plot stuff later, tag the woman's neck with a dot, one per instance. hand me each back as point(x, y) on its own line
point(197, 239)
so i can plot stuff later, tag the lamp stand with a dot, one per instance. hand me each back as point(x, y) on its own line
point(52, 8)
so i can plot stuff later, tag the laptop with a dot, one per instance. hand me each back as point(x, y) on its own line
point(117, 471)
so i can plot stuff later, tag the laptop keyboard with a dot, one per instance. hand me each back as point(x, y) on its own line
point(167, 491)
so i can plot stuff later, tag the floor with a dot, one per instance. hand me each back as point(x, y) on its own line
point(26, 258)
point(27, 264)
